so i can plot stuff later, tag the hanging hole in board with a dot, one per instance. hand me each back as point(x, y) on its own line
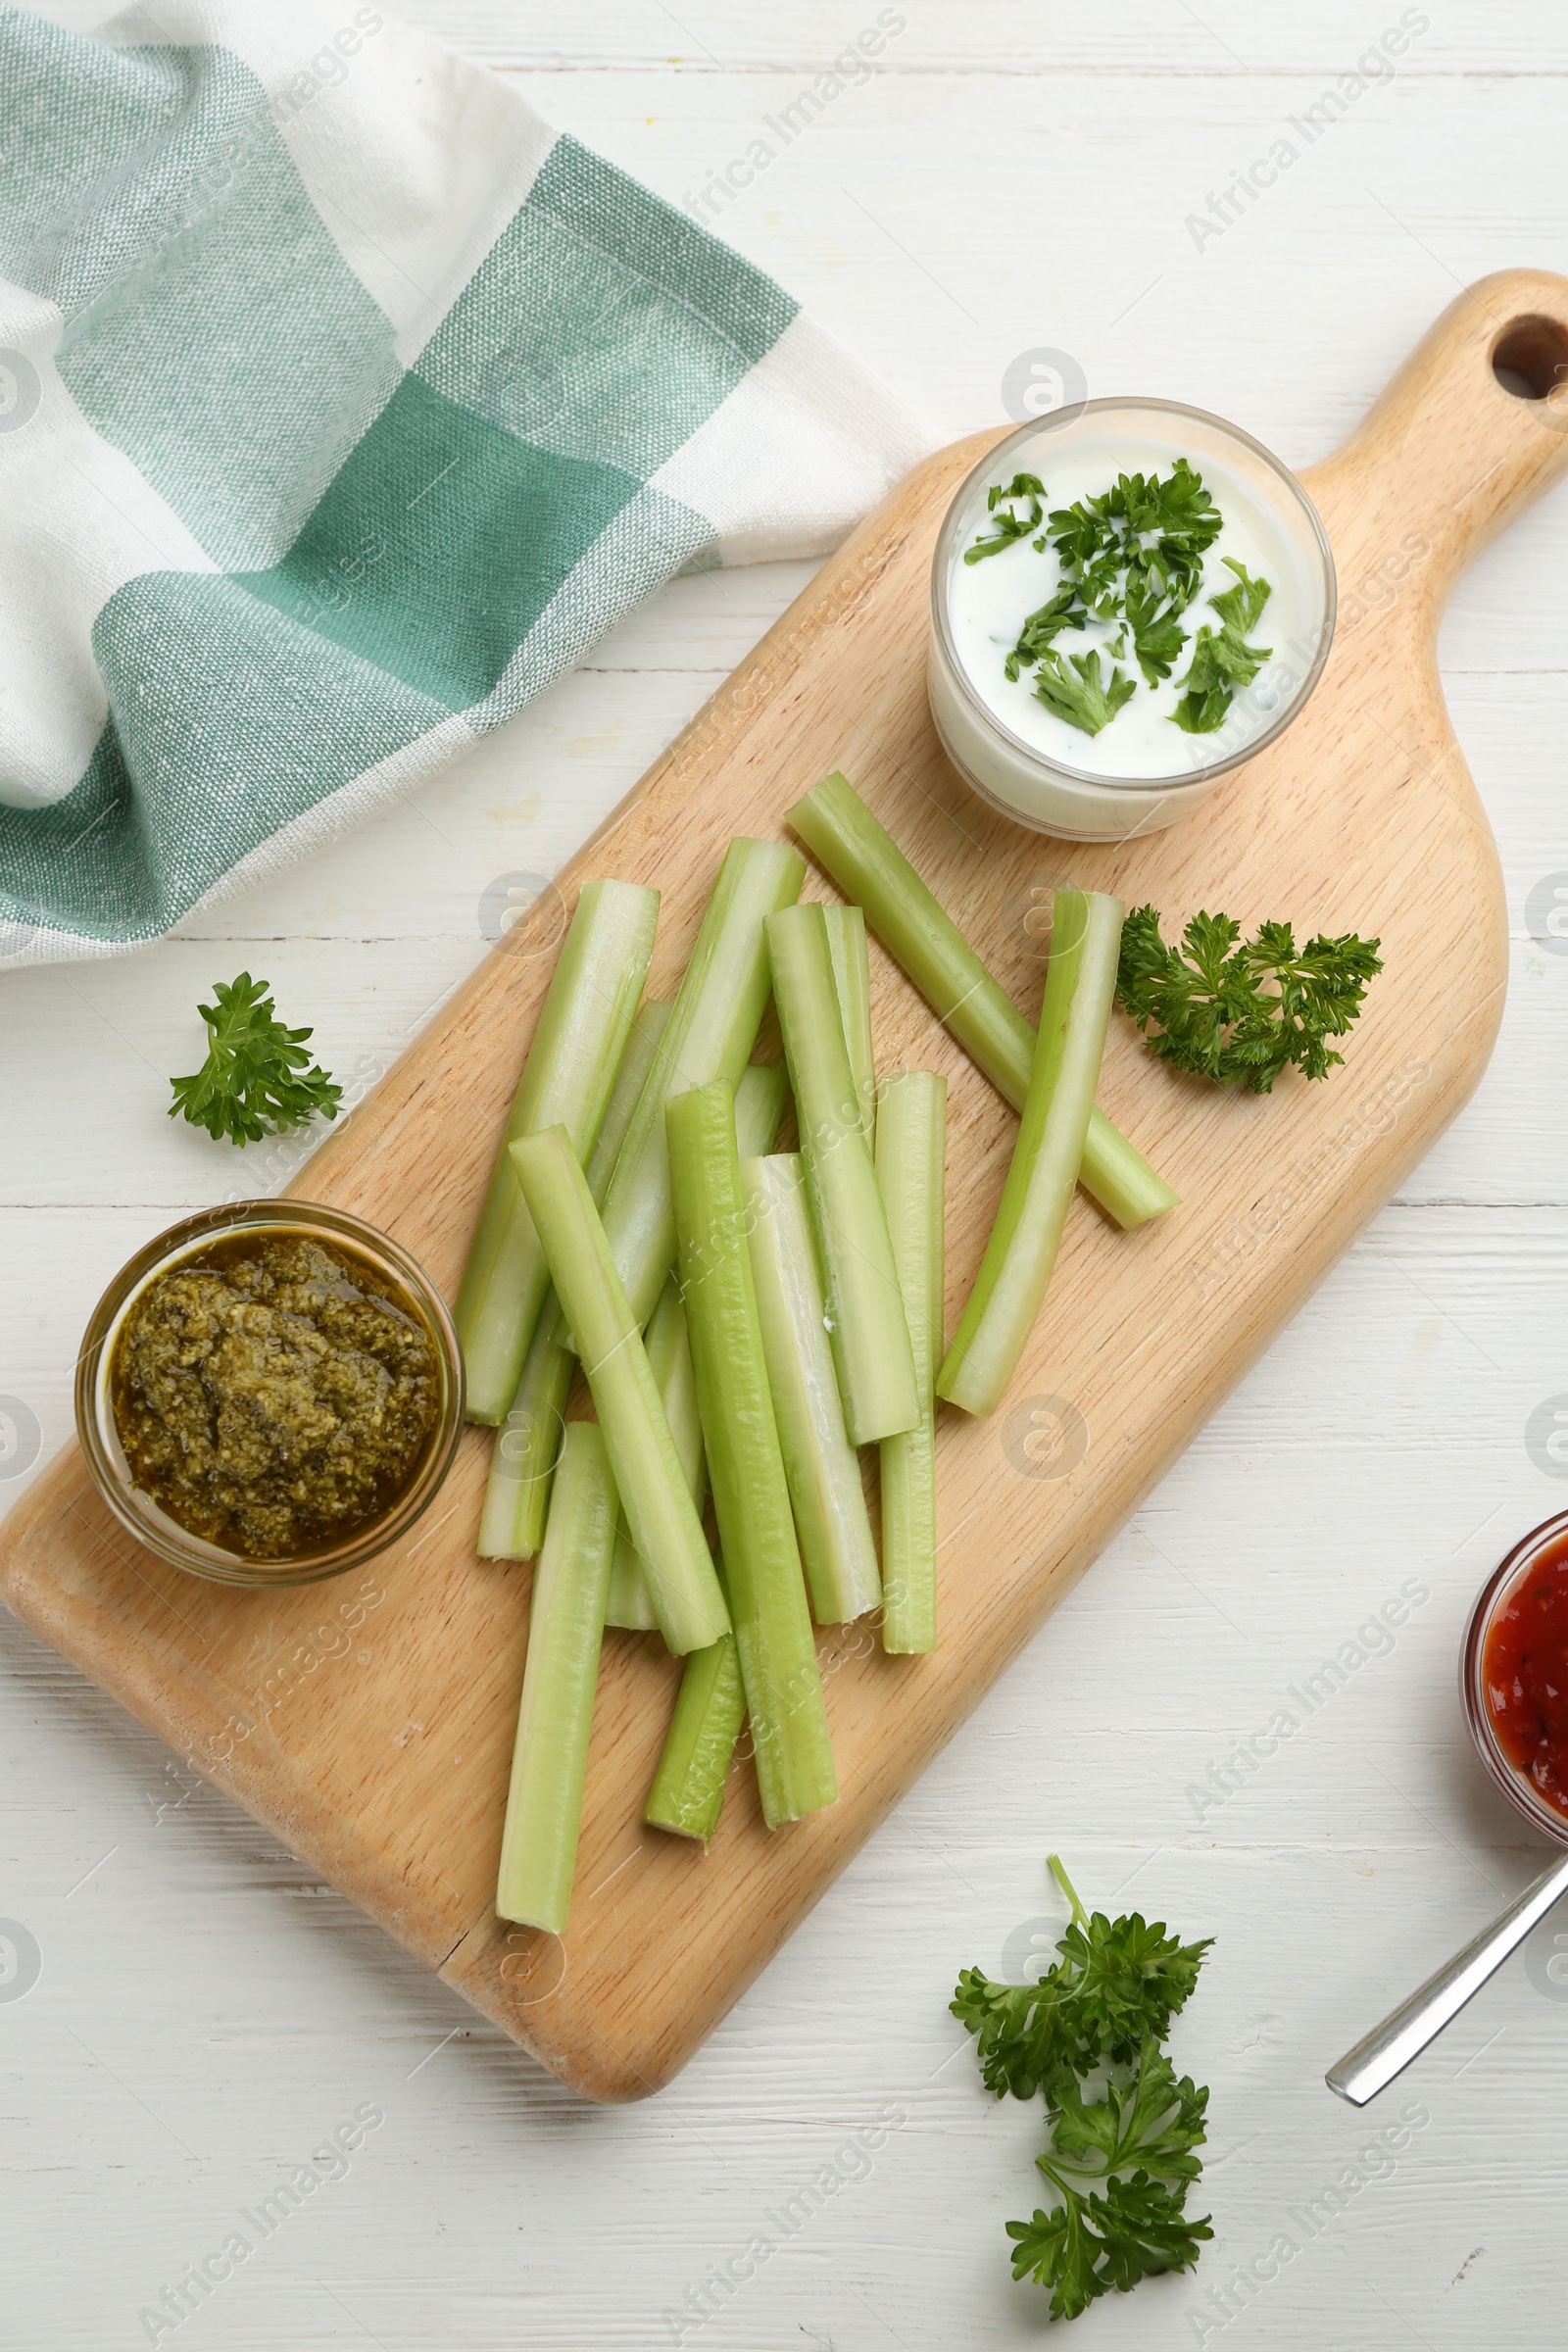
point(1529, 358)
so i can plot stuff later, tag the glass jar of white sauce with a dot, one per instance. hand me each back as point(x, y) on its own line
point(1141, 771)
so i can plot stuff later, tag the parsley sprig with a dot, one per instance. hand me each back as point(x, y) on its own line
point(1223, 659)
point(1157, 633)
point(1009, 525)
point(1074, 689)
point(1242, 1012)
point(1121, 2167)
point(254, 1081)
point(1041, 629)
point(1118, 1982)
point(1122, 2160)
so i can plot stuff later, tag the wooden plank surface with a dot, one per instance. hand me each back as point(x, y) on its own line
point(389, 1778)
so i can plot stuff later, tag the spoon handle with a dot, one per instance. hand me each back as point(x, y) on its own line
point(1390, 2047)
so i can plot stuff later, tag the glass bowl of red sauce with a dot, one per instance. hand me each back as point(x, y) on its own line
point(1513, 1676)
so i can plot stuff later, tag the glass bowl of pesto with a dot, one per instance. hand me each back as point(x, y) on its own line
point(1128, 599)
point(270, 1393)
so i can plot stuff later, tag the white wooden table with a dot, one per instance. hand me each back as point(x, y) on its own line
point(1017, 175)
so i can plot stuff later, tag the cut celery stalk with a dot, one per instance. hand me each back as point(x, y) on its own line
point(688, 1787)
point(527, 1447)
point(719, 1009)
point(759, 1108)
point(566, 1626)
point(768, 1595)
point(851, 980)
point(630, 1606)
point(567, 1080)
point(867, 864)
point(865, 1312)
point(511, 1525)
point(645, 1466)
point(910, 1157)
point(1080, 989)
point(820, 1465)
point(625, 1094)
point(669, 1359)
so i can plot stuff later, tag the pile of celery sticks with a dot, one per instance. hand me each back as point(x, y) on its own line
point(746, 1321)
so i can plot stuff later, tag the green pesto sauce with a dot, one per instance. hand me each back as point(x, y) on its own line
point(274, 1394)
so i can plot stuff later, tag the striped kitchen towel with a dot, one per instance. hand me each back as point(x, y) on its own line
point(343, 405)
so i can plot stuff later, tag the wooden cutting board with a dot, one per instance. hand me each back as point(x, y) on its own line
point(368, 1721)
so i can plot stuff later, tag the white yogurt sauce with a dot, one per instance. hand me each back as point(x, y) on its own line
point(988, 603)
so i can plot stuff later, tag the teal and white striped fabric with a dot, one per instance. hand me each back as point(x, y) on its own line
point(343, 405)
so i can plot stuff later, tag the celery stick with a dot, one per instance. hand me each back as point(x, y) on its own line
point(910, 1150)
point(852, 982)
point(865, 1312)
point(688, 1788)
point(643, 1459)
point(630, 1606)
point(768, 1595)
point(669, 1359)
point(577, 1045)
point(719, 1009)
point(867, 863)
point(511, 1526)
point(1080, 989)
point(527, 1446)
point(625, 1094)
point(820, 1465)
point(758, 1106)
point(566, 1626)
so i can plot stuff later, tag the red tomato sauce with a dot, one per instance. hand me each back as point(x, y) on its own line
point(1524, 1673)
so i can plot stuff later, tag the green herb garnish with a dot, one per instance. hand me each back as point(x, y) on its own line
point(1117, 1982)
point(1076, 691)
point(1158, 635)
point(1122, 2167)
point(254, 1081)
point(1156, 528)
point(1223, 659)
point(1241, 1014)
point(1065, 611)
point(1010, 526)
point(1122, 2160)
point(1240, 608)
point(1132, 557)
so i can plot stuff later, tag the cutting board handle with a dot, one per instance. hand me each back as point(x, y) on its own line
point(1471, 431)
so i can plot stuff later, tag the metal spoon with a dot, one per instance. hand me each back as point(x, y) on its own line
point(1389, 2048)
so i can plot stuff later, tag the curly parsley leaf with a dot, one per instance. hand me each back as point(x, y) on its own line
point(1242, 1012)
point(1240, 608)
point(1117, 1984)
point(1157, 633)
point(1027, 2036)
point(1102, 2242)
point(1223, 659)
point(1121, 2166)
point(1076, 691)
point(1061, 2249)
point(255, 1081)
point(1151, 2120)
point(1065, 610)
point(1130, 1979)
point(1009, 525)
